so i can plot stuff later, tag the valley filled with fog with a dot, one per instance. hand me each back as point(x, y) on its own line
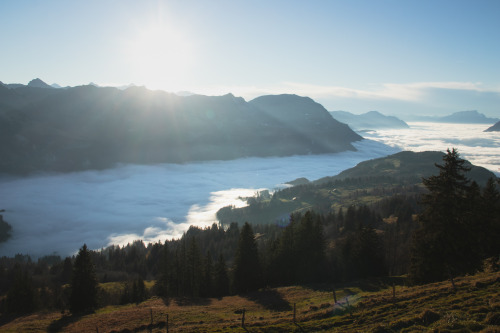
point(57, 213)
point(479, 147)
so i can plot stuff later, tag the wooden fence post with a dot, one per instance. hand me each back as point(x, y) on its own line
point(151, 313)
point(167, 322)
point(334, 296)
point(243, 319)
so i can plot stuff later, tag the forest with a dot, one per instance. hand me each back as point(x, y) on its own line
point(445, 227)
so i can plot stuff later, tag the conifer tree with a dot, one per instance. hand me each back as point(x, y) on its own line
point(22, 296)
point(221, 278)
point(247, 270)
point(194, 269)
point(207, 282)
point(163, 283)
point(443, 246)
point(84, 285)
point(310, 249)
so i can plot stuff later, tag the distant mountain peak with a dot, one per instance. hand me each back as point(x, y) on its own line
point(494, 128)
point(370, 120)
point(37, 83)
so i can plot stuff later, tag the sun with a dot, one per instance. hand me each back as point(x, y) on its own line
point(159, 56)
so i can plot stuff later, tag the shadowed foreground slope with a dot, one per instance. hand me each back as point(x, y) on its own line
point(473, 307)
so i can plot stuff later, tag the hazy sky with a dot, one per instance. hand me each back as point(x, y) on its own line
point(393, 56)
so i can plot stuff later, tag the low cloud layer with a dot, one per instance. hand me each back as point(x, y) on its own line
point(479, 147)
point(58, 213)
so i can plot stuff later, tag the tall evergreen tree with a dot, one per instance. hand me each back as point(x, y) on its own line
point(207, 282)
point(84, 285)
point(247, 270)
point(221, 278)
point(489, 217)
point(163, 283)
point(194, 269)
point(22, 296)
point(310, 249)
point(443, 246)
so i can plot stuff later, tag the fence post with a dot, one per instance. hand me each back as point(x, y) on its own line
point(167, 322)
point(243, 319)
point(151, 313)
point(294, 310)
point(334, 296)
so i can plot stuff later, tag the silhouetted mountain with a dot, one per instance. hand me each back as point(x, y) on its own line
point(89, 127)
point(368, 121)
point(312, 123)
point(494, 128)
point(37, 83)
point(462, 117)
point(14, 85)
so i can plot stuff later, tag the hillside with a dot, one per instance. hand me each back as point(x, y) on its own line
point(88, 127)
point(368, 121)
point(365, 306)
point(366, 183)
point(494, 128)
point(405, 165)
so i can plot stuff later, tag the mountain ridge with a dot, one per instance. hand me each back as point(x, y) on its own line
point(369, 121)
point(460, 117)
point(89, 127)
point(494, 128)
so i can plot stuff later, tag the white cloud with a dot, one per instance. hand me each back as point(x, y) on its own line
point(153, 203)
point(411, 92)
point(479, 147)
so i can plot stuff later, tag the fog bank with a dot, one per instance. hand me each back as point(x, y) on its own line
point(58, 213)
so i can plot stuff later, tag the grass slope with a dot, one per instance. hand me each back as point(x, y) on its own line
point(361, 307)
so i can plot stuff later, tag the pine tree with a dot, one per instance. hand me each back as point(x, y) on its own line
point(221, 278)
point(489, 220)
point(84, 285)
point(22, 296)
point(310, 249)
point(163, 283)
point(207, 282)
point(194, 269)
point(247, 270)
point(443, 246)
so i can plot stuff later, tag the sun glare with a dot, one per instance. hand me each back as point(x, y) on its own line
point(159, 57)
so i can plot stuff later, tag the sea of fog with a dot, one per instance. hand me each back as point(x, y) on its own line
point(479, 147)
point(58, 213)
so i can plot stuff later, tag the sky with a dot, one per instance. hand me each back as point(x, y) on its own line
point(398, 57)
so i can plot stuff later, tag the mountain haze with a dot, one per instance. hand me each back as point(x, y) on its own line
point(369, 120)
point(461, 117)
point(90, 127)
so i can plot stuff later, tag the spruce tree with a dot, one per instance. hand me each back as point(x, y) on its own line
point(22, 296)
point(221, 278)
point(443, 246)
point(207, 282)
point(247, 270)
point(84, 285)
point(163, 283)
